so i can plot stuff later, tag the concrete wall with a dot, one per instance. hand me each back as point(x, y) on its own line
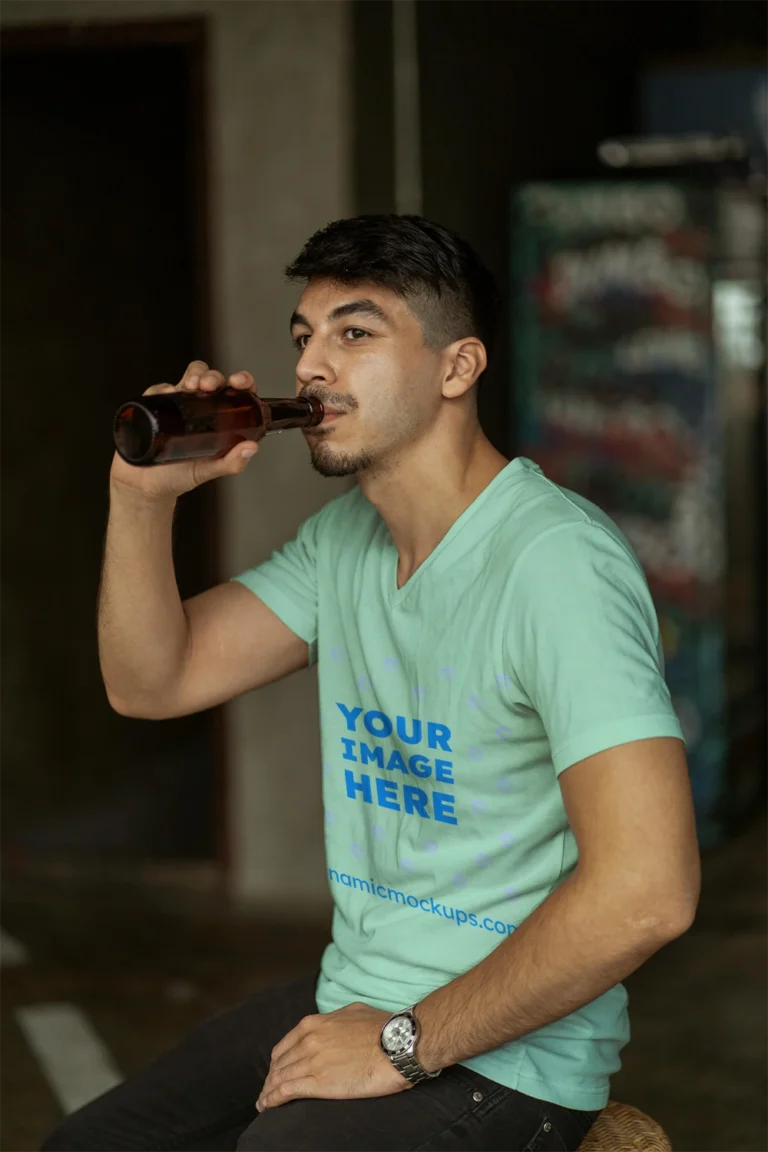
point(280, 167)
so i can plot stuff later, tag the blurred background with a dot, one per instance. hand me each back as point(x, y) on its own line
point(162, 160)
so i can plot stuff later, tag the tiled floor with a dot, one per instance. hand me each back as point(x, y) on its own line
point(145, 966)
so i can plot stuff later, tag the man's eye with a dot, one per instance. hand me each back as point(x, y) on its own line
point(298, 341)
point(355, 333)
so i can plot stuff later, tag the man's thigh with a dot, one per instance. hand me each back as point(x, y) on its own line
point(458, 1110)
point(200, 1090)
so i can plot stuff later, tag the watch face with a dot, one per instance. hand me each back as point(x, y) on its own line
point(398, 1034)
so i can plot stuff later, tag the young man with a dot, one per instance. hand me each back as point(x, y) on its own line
point(510, 826)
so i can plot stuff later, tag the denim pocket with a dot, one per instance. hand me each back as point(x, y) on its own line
point(563, 1131)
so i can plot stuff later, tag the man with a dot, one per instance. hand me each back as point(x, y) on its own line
point(510, 826)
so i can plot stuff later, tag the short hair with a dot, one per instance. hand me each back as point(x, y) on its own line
point(439, 275)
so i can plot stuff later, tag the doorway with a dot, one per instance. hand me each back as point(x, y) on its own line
point(104, 292)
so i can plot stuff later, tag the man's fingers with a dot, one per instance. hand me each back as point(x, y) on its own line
point(198, 377)
point(288, 1041)
point(203, 382)
point(243, 380)
point(156, 388)
point(212, 380)
point(232, 463)
point(196, 369)
point(297, 1089)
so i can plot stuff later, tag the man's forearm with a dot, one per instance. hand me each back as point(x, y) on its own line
point(576, 945)
point(142, 628)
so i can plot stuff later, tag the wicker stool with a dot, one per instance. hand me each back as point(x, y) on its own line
point(622, 1128)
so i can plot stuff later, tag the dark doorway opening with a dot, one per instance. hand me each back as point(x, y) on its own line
point(104, 292)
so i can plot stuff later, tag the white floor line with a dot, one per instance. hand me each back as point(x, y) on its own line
point(12, 951)
point(76, 1063)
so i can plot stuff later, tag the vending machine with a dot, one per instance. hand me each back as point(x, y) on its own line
point(638, 382)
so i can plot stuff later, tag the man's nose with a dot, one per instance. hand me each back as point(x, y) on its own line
point(314, 365)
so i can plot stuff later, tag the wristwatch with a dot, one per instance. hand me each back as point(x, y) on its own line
point(398, 1041)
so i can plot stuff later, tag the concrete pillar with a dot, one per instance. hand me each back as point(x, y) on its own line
point(280, 167)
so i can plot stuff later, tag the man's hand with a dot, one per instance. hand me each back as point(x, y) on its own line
point(175, 479)
point(335, 1056)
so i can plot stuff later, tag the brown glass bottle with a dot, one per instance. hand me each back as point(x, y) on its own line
point(171, 426)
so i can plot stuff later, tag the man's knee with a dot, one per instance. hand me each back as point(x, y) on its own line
point(72, 1135)
point(247, 1141)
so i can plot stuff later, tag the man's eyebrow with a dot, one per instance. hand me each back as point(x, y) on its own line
point(360, 308)
point(297, 318)
point(353, 308)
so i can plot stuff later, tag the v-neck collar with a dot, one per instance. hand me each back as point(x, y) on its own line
point(397, 595)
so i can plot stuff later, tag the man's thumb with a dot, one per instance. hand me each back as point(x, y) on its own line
point(236, 460)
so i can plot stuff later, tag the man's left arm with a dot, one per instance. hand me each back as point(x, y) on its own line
point(635, 887)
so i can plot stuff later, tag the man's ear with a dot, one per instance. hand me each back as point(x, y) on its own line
point(467, 359)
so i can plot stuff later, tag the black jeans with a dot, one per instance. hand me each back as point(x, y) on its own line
point(201, 1097)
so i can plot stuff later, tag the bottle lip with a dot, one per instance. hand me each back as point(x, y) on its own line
point(318, 411)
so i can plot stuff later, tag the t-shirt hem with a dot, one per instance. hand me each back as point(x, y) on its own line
point(612, 735)
point(586, 1099)
point(283, 608)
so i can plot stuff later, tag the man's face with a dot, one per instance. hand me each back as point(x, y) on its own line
point(362, 354)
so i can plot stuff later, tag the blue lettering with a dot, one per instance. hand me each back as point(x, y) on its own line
point(415, 738)
point(473, 920)
point(438, 736)
point(333, 874)
point(415, 800)
point(420, 766)
point(396, 762)
point(364, 786)
point(381, 891)
point(371, 755)
point(386, 724)
point(443, 804)
point(348, 746)
point(422, 903)
point(349, 714)
point(415, 903)
point(435, 907)
point(384, 794)
point(443, 771)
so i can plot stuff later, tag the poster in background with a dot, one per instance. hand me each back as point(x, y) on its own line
point(616, 399)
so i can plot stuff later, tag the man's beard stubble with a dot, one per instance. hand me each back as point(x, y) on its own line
point(330, 463)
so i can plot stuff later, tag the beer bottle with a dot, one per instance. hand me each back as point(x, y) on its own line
point(173, 426)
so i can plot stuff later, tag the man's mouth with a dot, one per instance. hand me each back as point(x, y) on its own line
point(331, 415)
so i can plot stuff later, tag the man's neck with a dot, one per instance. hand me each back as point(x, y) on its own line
point(423, 495)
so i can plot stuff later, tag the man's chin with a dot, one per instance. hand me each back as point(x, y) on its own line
point(330, 462)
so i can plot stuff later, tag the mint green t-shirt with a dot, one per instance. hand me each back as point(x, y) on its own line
point(526, 641)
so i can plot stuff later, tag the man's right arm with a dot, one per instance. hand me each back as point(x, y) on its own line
point(161, 658)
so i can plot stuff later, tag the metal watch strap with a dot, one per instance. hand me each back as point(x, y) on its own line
point(405, 1062)
point(410, 1068)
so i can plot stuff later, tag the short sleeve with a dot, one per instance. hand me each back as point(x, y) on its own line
point(583, 645)
point(287, 583)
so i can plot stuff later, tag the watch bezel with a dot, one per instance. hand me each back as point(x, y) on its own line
point(406, 1047)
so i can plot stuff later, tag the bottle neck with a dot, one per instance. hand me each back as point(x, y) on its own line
point(297, 413)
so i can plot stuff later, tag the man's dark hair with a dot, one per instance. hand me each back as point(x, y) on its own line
point(440, 277)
